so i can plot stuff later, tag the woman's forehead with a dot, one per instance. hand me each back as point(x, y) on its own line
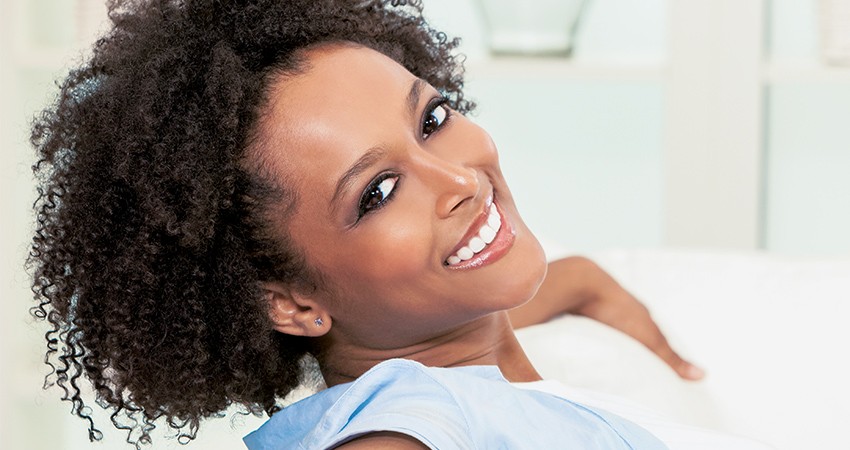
point(335, 73)
point(346, 101)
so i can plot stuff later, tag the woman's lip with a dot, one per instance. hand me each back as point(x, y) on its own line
point(494, 250)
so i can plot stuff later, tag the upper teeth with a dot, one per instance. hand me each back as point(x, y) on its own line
point(485, 236)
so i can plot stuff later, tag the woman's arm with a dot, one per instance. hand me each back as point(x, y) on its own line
point(577, 285)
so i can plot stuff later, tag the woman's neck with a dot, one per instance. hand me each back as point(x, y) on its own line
point(489, 340)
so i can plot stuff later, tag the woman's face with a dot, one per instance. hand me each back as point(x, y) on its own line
point(402, 207)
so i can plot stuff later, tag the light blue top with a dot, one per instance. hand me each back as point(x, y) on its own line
point(458, 408)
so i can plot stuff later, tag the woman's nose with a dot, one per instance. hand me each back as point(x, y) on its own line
point(455, 185)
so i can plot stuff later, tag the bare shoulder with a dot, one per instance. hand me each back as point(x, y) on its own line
point(383, 440)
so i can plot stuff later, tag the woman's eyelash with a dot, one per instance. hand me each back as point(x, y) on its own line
point(377, 194)
point(436, 115)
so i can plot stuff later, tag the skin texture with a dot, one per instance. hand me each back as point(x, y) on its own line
point(386, 291)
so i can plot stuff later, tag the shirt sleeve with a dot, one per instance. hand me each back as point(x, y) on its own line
point(399, 399)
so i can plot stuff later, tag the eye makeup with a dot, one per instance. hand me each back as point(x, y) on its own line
point(377, 194)
point(436, 114)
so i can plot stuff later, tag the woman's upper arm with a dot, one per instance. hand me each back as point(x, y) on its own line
point(383, 440)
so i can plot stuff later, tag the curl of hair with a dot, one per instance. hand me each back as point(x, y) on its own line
point(151, 240)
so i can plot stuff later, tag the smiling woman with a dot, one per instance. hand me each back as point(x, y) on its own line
point(228, 189)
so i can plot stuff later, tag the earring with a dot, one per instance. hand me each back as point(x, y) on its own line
point(319, 322)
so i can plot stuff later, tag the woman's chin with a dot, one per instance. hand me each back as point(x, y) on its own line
point(537, 263)
point(526, 271)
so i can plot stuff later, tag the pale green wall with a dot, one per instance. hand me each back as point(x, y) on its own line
point(792, 30)
point(807, 187)
point(808, 169)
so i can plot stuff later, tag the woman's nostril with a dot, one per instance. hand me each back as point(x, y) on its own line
point(455, 207)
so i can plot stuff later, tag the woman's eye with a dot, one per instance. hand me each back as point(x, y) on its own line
point(377, 194)
point(434, 119)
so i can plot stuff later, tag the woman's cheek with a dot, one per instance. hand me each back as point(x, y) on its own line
point(404, 248)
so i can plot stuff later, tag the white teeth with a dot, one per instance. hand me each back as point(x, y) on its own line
point(485, 236)
point(494, 221)
point(476, 244)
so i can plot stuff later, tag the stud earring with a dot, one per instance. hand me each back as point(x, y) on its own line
point(319, 322)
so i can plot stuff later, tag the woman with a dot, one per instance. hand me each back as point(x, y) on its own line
point(227, 189)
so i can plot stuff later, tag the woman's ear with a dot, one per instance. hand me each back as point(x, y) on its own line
point(295, 314)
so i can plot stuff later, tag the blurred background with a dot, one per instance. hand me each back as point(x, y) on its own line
point(717, 125)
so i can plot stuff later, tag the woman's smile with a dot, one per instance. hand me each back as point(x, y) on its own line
point(489, 238)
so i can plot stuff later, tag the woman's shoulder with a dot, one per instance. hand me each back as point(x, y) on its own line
point(396, 395)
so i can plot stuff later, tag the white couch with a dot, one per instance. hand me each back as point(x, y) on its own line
point(772, 333)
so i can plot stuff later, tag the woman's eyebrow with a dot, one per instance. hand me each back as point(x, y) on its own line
point(413, 95)
point(368, 159)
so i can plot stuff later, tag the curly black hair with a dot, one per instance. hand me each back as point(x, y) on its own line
point(152, 237)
